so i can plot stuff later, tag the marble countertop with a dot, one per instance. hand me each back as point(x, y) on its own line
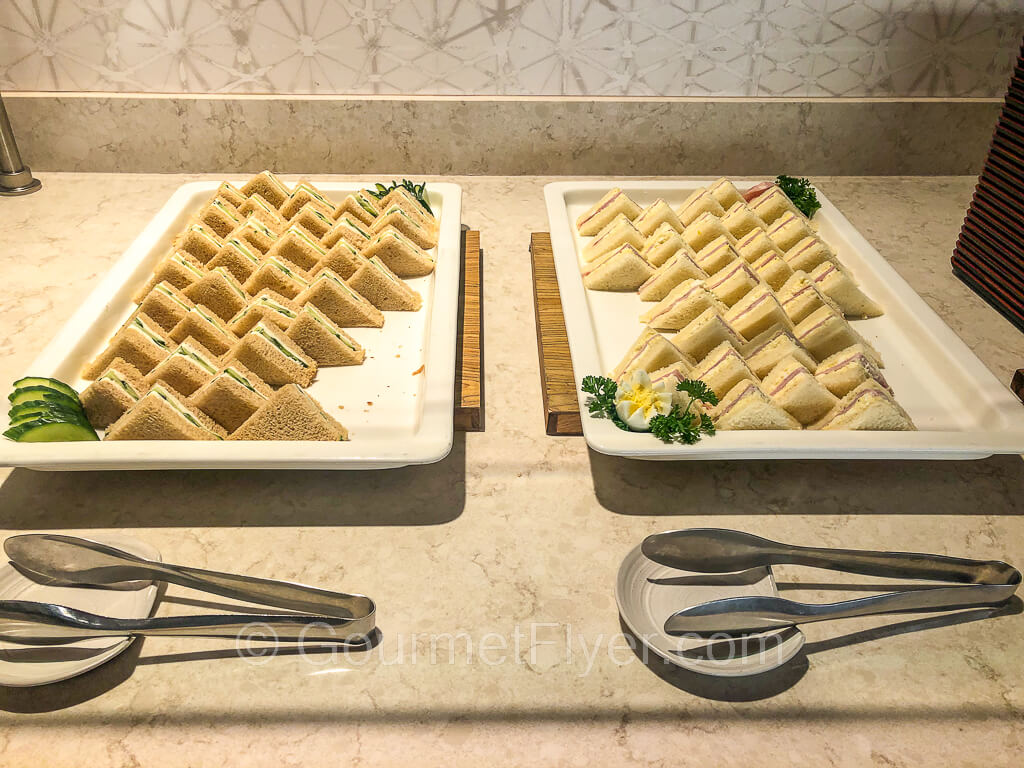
point(494, 569)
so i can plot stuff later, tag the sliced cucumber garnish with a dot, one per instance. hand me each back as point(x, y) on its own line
point(29, 411)
point(49, 430)
point(41, 381)
point(27, 394)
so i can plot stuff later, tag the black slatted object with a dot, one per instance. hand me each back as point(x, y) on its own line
point(989, 254)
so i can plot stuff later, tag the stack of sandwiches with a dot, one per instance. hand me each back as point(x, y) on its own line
point(252, 299)
point(750, 300)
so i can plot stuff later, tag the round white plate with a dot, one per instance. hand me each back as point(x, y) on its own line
point(24, 665)
point(648, 593)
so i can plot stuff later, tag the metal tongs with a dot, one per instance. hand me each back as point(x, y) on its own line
point(322, 616)
point(717, 550)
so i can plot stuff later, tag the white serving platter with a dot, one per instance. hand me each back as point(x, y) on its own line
point(398, 406)
point(24, 664)
point(961, 410)
point(647, 593)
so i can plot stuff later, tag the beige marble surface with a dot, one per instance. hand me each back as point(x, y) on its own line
point(517, 533)
point(129, 133)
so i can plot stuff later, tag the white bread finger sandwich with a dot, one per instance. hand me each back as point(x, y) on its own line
point(756, 312)
point(682, 304)
point(716, 255)
point(614, 202)
point(678, 267)
point(769, 348)
point(740, 220)
point(617, 232)
point(649, 352)
point(745, 406)
point(734, 281)
point(836, 283)
point(662, 244)
point(867, 407)
point(722, 368)
point(701, 201)
point(655, 215)
point(848, 369)
point(623, 269)
point(705, 332)
point(826, 332)
point(794, 388)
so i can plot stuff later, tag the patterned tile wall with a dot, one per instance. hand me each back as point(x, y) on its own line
point(794, 48)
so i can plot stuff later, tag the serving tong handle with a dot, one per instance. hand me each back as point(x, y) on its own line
point(714, 550)
point(23, 621)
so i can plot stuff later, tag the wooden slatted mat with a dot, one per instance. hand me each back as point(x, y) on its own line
point(558, 384)
point(469, 352)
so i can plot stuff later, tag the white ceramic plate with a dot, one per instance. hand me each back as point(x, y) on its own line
point(961, 410)
point(398, 406)
point(647, 593)
point(24, 665)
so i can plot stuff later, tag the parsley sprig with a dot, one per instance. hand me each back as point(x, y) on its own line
point(679, 425)
point(601, 402)
point(801, 193)
point(418, 191)
point(685, 426)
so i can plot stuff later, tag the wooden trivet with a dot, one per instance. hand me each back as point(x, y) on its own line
point(558, 384)
point(469, 352)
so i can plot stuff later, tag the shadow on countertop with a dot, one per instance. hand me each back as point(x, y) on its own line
point(982, 487)
point(429, 494)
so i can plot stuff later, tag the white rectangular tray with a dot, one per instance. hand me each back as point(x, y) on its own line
point(398, 406)
point(961, 410)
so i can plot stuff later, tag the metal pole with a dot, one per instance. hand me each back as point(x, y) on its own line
point(15, 176)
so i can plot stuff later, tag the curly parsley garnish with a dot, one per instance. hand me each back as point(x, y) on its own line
point(679, 425)
point(685, 426)
point(418, 191)
point(601, 402)
point(801, 193)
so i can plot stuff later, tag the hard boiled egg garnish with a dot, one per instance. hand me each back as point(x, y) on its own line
point(637, 401)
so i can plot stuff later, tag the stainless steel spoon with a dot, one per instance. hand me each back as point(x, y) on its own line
point(73, 560)
point(716, 550)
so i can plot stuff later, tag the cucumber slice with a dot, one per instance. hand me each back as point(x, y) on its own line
point(46, 394)
point(28, 412)
point(50, 431)
point(40, 381)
